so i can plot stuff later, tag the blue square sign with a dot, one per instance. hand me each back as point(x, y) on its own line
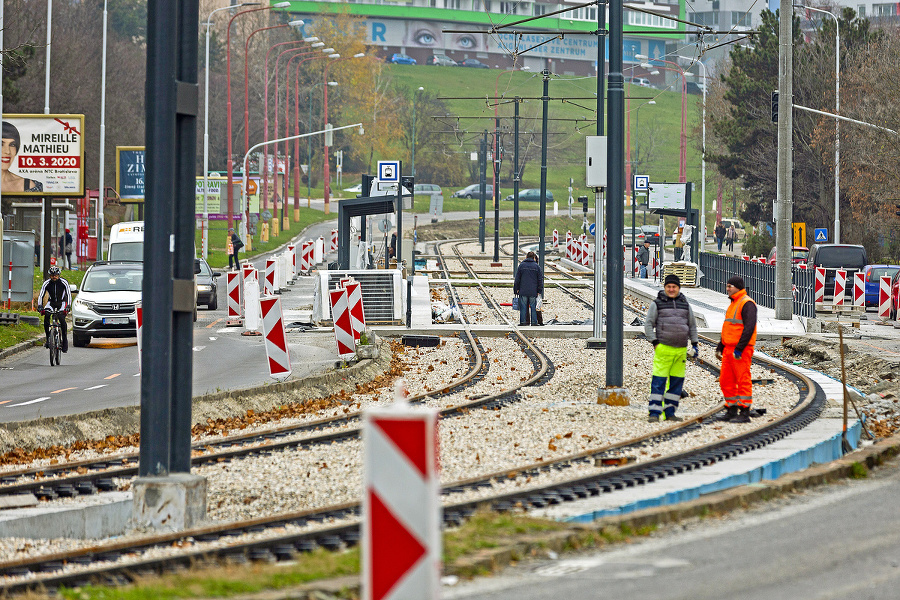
point(641, 183)
point(389, 171)
point(821, 235)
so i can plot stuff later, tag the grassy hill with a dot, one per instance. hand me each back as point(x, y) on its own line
point(566, 149)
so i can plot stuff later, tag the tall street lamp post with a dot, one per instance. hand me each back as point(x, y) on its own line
point(702, 158)
point(682, 160)
point(837, 122)
point(205, 233)
point(228, 164)
point(421, 89)
point(629, 175)
point(327, 160)
point(309, 140)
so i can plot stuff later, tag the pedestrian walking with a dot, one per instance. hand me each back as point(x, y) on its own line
point(236, 245)
point(528, 285)
point(720, 235)
point(669, 326)
point(730, 235)
point(644, 258)
point(679, 245)
point(735, 350)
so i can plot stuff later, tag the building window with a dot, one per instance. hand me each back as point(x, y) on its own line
point(539, 9)
point(640, 19)
point(884, 10)
point(740, 19)
point(508, 8)
point(861, 11)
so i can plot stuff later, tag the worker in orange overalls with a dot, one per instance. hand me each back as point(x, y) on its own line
point(735, 350)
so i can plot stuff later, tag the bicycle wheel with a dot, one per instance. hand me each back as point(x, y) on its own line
point(51, 343)
point(57, 333)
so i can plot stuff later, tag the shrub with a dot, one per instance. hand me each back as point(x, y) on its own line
point(758, 244)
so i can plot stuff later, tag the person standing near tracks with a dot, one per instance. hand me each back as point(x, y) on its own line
point(236, 245)
point(735, 350)
point(669, 325)
point(528, 285)
point(644, 258)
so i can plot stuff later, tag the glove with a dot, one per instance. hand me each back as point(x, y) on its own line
point(737, 354)
point(695, 351)
point(719, 354)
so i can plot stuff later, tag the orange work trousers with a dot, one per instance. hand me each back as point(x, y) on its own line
point(737, 387)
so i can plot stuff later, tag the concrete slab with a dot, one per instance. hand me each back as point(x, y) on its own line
point(92, 517)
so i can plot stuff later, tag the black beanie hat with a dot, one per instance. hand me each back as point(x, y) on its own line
point(737, 281)
point(672, 278)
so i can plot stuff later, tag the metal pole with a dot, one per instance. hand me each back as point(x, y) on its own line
point(545, 101)
point(783, 296)
point(482, 189)
point(515, 189)
point(2, 27)
point(496, 191)
point(598, 194)
point(101, 197)
point(614, 212)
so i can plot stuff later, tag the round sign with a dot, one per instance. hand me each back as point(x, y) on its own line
point(384, 225)
point(591, 228)
point(251, 187)
point(265, 215)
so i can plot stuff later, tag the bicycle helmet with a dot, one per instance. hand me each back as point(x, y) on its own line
point(54, 270)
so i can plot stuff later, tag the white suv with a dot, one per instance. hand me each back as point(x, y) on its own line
point(105, 304)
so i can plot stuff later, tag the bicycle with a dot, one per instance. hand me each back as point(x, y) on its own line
point(54, 338)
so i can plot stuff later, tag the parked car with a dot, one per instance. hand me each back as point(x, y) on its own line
point(441, 60)
point(427, 189)
point(651, 233)
point(641, 81)
point(472, 62)
point(531, 195)
point(637, 233)
point(207, 286)
point(402, 59)
point(738, 228)
point(473, 191)
point(356, 189)
point(873, 275)
point(105, 306)
point(895, 295)
point(798, 255)
point(850, 257)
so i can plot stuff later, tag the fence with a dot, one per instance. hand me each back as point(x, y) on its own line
point(760, 281)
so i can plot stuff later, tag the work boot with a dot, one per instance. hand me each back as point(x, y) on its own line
point(674, 418)
point(730, 413)
point(743, 416)
point(653, 419)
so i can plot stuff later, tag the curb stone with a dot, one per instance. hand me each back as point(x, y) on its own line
point(581, 536)
point(20, 347)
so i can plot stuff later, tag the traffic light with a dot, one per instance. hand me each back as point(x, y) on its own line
point(775, 107)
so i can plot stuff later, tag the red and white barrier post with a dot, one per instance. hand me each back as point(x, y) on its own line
point(884, 298)
point(343, 325)
point(252, 310)
point(292, 261)
point(569, 245)
point(233, 294)
point(334, 241)
point(401, 528)
point(820, 288)
point(307, 260)
point(276, 342)
point(840, 286)
point(139, 319)
point(555, 240)
point(355, 304)
point(637, 263)
point(859, 292)
point(269, 278)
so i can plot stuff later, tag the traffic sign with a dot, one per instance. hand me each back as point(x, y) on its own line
point(389, 171)
point(821, 235)
point(276, 342)
point(343, 325)
point(641, 183)
point(799, 230)
point(592, 228)
point(355, 303)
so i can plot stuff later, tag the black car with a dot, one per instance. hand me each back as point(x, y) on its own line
point(472, 62)
point(651, 233)
point(474, 191)
point(207, 287)
point(831, 257)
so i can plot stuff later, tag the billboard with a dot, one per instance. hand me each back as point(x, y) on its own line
point(216, 198)
point(671, 196)
point(130, 169)
point(43, 155)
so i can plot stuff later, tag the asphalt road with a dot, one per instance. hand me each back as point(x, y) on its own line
point(106, 373)
point(841, 541)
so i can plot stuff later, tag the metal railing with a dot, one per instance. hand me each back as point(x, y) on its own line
point(759, 279)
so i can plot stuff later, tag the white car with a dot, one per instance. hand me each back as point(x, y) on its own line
point(105, 305)
point(356, 189)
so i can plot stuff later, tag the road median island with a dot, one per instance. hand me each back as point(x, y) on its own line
point(124, 421)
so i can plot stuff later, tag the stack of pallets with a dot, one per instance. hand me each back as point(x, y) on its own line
point(686, 272)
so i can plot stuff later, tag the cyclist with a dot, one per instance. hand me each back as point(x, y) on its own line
point(58, 297)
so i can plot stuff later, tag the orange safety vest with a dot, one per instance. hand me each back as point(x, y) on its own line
point(733, 326)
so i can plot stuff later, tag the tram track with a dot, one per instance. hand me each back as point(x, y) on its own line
point(222, 541)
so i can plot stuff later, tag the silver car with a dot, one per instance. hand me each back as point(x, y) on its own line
point(105, 306)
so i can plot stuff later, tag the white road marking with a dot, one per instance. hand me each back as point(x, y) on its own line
point(96, 387)
point(30, 402)
point(198, 348)
point(212, 339)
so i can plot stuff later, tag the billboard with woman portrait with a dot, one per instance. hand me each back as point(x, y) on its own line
point(42, 155)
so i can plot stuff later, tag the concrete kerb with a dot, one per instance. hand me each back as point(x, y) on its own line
point(126, 420)
point(21, 347)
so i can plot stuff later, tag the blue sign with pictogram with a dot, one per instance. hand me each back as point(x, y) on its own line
point(592, 228)
point(821, 235)
point(641, 183)
point(389, 171)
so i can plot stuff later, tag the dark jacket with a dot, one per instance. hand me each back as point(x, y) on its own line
point(671, 321)
point(720, 231)
point(644, 255)
point(236, 242)
point(529, 279)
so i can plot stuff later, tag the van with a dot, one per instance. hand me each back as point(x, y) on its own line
point(851, 258)
point(738, 228)
point(126, 241)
